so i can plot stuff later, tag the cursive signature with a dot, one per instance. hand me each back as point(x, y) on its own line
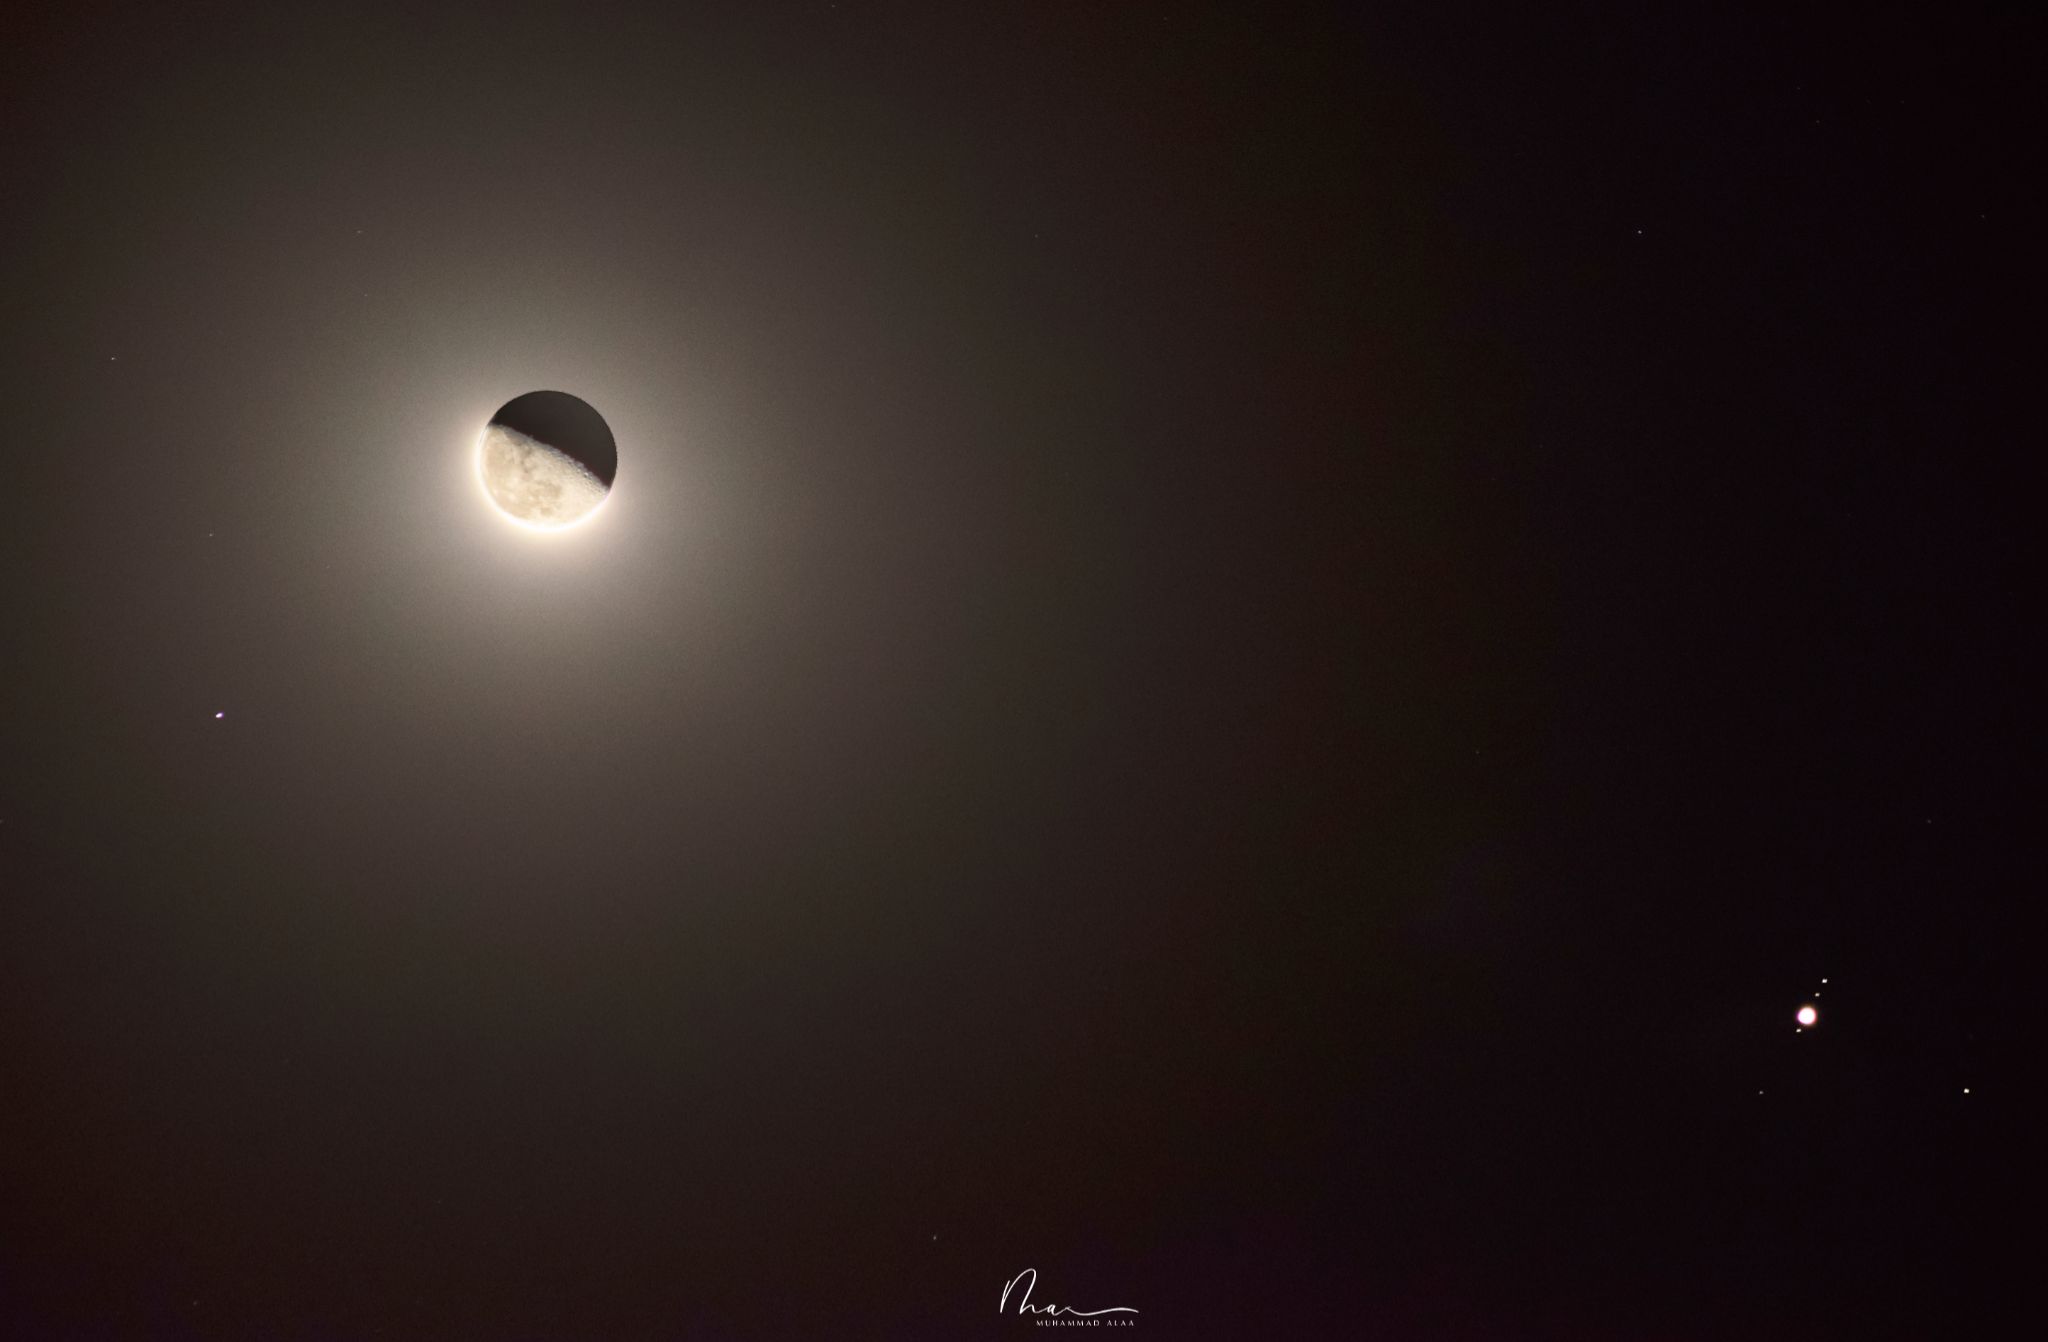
point(1024, 1305)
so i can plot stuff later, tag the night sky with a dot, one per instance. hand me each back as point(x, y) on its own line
point(1249, 655)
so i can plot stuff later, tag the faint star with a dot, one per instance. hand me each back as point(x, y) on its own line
point(219, 715)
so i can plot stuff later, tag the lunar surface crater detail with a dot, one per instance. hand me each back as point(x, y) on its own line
point(547, 460)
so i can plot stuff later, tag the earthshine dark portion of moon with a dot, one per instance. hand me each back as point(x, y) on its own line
point(547, 459)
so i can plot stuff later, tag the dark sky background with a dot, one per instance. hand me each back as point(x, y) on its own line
point(1249, 655)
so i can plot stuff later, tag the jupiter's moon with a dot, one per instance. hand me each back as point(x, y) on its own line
point(547, 460)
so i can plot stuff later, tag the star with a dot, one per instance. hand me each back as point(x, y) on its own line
point(1808, 1015)
point(218, 716)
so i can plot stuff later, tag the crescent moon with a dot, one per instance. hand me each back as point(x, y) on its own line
point(533, 484)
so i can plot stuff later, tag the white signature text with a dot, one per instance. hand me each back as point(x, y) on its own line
point(1028, 1278)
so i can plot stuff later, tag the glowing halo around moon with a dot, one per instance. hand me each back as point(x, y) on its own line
point(546, 461)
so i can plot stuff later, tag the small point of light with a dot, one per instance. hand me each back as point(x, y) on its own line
point(1808, 1015)
point(219, 715)
point(1966, 1090)
point(1823, 980)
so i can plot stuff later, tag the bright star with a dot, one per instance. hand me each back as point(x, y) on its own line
point(1807, 1016)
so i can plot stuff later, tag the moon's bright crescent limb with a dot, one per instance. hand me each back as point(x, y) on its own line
point(533, 483)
